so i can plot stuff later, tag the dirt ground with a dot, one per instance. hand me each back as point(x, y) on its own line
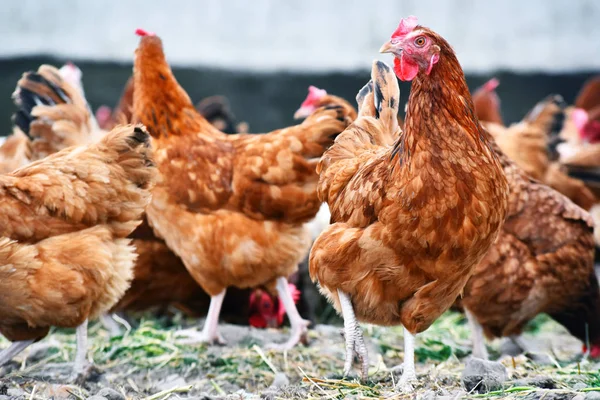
point(150, 362)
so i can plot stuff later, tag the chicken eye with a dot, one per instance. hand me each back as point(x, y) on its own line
point(420, 41)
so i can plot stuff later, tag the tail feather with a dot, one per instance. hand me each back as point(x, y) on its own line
point(549, 116)
point(386, 95)
point(51, 112)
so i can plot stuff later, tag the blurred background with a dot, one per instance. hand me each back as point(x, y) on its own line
point(263, 54)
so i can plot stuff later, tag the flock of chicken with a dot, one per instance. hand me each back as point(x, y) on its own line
point(152, 205)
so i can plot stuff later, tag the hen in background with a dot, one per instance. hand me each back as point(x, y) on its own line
point(243, 229)
point(64, 256)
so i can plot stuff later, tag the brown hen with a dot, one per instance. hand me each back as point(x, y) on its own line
point(64, 256)
point(232, 207)
point(410, 220)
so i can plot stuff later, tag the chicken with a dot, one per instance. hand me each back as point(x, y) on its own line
point(266, 310)
point(410, 220)
point(232, 207)
point(542, 262)
point(64, 256)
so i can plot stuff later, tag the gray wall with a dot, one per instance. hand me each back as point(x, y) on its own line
point(307, 35)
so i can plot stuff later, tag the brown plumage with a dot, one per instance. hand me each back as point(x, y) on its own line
point(240, 229)
point(409, 221)
point(542, 262)
point(64, 256)
point(487, 103)
point(14, 152)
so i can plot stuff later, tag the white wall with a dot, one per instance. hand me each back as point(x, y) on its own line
point(525, 35)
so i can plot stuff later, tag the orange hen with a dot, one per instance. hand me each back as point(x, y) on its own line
point(64, 256)
point(232, 207)
point(410, 220)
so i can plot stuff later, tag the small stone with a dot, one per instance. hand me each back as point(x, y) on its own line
point(592, 396)
point(280, 380)
point(15, 393)
point(483, 376)
point(96, 397)
point(579, 386)
point(579, 397)
point(542, 382)
point(110, 394)
point(549, 395)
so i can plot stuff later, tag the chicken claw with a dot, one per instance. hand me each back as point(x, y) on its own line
point(194, 337)
point(210, 333)
point(299, 325)
point(355, 342)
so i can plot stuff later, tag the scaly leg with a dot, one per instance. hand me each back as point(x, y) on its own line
point(409, 375)
point(112, 326)
point(299, 325)
point(479, 349)
point(210, 332)
point(13, 350)
point(355, 342)
point(81, 367)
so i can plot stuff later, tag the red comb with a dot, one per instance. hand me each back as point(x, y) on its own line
point(141, 32)
point(406, 26)
point(491, 85)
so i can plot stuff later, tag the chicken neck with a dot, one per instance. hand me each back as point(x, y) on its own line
point(440, 114)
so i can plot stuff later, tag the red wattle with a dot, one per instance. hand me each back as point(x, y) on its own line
point(406, 69)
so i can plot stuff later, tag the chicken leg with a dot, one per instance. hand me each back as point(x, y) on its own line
point(355, 342)
point(409, 375)
point(210, 332)
point(479, 349)
point(81, 366)
point(299, 325)
point(112, 326)
point(13, 350)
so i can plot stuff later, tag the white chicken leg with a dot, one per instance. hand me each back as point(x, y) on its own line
point(479, 349)
point(355, 342)
point(210, 332)
point(409, 375)
point(81, 366)
point(298, 324)
point(13, 350)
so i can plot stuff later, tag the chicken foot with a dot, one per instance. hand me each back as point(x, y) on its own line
point(210, 332)
point(355, 342)
point(13, 350)
point(409, 375)
point(479, 349)
point(298, 324)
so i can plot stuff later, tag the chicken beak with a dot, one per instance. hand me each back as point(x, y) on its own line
point(303, 112)
point(388, 47)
